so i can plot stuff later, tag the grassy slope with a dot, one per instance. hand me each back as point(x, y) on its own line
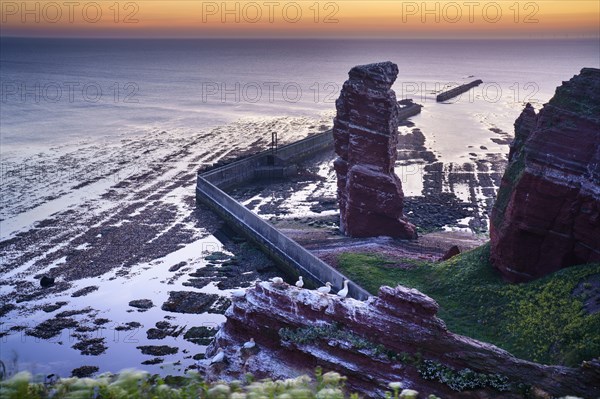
point(540, 321)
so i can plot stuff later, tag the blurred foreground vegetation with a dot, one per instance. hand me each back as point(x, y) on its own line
point(133, 384)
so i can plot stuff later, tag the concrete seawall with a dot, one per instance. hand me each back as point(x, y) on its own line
point(292, 258)
point(409, 109)
point(268, 164)
point(457, 90)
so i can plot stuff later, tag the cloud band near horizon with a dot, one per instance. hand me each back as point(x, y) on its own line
point(311, 19)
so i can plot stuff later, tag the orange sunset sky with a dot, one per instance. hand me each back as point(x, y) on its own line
point(279, 19)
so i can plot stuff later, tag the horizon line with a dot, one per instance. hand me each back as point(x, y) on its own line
point(561, 37)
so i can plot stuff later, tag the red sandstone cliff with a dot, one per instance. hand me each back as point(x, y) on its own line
point(393, 337)
point(547, 212)
point(366, 135)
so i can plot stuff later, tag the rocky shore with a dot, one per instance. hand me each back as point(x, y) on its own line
point(123, 263)
point(395, 336)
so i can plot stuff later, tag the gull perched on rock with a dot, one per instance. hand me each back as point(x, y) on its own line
point(219, 357)
point(250, 344)
point(300, 282)
point(344, 291)
point(277, 280)
point(325, 289)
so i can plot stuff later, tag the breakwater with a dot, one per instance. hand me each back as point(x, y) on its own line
point(267, 164)
point(408, 108)
point(446, 95)
point(291, 257)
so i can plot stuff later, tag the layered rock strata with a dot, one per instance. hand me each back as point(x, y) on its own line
point(547, 212)
point(366, 136)
point(393, 337)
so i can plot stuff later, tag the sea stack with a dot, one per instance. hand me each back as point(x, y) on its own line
point(366, 135)
point(547, 212)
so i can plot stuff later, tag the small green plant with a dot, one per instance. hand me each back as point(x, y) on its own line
point(462, 380)
point(310, 334)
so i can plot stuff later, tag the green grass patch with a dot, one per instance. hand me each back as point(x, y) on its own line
point(540, 321)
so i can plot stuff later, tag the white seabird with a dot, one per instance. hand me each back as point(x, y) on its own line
point(300, 282)
point(325, 289)
point(219, 357)
point(277, 280)
point(344, 291)
point(250, 344)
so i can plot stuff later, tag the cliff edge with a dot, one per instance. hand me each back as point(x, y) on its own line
point(394, 337)
point(547, 212)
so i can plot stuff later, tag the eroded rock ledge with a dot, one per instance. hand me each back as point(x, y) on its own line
point(547, 212)
point(393, 337)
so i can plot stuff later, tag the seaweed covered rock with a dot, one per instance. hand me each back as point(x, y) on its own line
point(547, 212)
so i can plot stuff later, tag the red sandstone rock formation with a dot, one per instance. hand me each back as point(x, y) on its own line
point(547, 212)
point(393, 337)
point(451, 253)
point(366, 135)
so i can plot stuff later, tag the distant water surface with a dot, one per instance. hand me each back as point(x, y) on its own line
point(60, 91)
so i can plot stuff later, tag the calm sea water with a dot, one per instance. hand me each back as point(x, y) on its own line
point(60, 91)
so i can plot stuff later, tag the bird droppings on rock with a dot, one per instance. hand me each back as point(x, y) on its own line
point(394, 335)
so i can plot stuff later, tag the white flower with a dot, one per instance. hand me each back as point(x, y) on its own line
point(331, 377)
point(330, 393)
point(219, 392)
point(395, 385)
point(409, 394)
